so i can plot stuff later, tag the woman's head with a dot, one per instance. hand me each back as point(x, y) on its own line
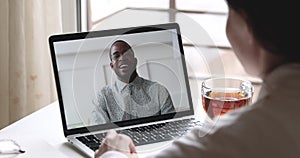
point(274, 24)
point(256, 25)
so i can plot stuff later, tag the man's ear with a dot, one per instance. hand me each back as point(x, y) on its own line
point(135, 61)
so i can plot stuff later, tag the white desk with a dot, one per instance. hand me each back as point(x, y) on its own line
point(40, 134)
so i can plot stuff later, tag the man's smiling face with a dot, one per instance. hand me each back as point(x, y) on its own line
point(123, 61)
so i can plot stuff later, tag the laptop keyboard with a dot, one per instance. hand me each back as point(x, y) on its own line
point(146, 134)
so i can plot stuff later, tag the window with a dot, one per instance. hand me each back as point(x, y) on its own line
point(104, 8)
point(195, 17)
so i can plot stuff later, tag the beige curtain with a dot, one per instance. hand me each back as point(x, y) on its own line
point(26, 79)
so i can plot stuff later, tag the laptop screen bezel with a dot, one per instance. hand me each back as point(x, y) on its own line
point(120, 31)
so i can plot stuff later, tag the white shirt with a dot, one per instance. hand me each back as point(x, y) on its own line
point(140, 98)
point(270, 128)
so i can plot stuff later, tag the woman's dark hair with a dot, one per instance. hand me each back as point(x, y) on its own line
point(274, 24)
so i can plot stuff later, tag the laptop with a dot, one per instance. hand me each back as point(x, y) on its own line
point(82, 65)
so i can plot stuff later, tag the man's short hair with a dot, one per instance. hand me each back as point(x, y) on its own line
point(117, 41)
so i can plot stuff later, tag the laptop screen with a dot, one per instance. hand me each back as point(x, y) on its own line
point(122, 76)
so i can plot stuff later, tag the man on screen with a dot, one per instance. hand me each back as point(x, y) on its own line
point(130, 96)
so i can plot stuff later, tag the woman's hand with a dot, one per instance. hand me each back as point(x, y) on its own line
point(117, 142)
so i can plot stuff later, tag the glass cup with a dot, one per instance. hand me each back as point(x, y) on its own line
point(220, 95)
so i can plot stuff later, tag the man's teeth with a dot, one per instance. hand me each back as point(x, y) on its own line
point(123, 66)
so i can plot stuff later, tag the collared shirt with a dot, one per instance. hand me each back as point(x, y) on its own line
point(140, 98)
point(268, 128)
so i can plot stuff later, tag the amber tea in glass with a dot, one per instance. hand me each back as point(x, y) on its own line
point(220, 95)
